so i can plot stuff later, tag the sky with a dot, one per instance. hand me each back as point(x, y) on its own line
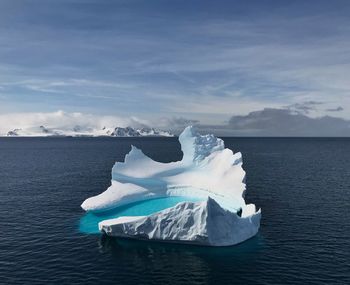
point(173, 63)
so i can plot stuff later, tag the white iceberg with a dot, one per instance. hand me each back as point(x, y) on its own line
point(208, 171)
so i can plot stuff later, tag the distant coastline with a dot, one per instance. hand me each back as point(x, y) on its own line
point(78, 131)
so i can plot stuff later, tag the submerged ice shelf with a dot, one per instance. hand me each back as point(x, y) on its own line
point(211, 174)
point(89, 222)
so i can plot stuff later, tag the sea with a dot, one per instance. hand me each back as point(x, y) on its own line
point(302, 186)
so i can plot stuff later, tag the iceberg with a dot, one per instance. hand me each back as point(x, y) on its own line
point(208, 172)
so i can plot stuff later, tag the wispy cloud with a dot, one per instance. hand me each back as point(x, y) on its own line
point(304, 108)
point(155, 61)
point(338, 109)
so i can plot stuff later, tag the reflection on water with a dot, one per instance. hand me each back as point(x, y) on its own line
point(89, 222)
point(117, 245)
point(179, 261)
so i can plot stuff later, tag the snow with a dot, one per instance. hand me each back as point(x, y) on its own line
point(78, 131)
point(208, 171)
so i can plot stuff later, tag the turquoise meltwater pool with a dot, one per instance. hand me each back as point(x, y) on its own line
point(89, 222)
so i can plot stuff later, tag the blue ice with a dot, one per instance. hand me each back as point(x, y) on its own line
point(89, 222)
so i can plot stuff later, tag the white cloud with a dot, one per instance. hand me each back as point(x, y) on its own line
point(206, 70)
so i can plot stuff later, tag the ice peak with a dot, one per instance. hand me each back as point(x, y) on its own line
point(196, 147)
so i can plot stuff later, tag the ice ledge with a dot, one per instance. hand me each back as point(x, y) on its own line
point(204, 223)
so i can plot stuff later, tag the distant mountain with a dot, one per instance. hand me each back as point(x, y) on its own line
point(34, 132)
point(154, 132)
point(13, 133)
point(125, 132)
point(78, 131)
point(143, 132)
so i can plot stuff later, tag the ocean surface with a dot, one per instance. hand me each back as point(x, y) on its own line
point(301, 184)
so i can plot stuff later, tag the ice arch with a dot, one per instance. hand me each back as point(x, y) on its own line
point(207, 170)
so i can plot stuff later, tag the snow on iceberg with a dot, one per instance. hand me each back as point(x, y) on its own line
point(208, 171)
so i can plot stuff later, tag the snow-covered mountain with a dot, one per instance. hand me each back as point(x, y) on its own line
point(124, 132)
point(78, 131)
point(131, 132)
point(154, 132)
point(34, 132)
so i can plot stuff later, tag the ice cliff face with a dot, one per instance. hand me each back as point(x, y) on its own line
point(208, 171)
point(203, 223)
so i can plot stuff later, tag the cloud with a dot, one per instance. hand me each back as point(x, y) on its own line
point(119, 58)
point(284, 122)
point(290, 121)
point(175, 124)
point(303, 108)
point(338, 109)
point(179, 121)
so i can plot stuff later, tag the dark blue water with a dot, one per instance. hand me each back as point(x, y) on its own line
point(302, 186)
